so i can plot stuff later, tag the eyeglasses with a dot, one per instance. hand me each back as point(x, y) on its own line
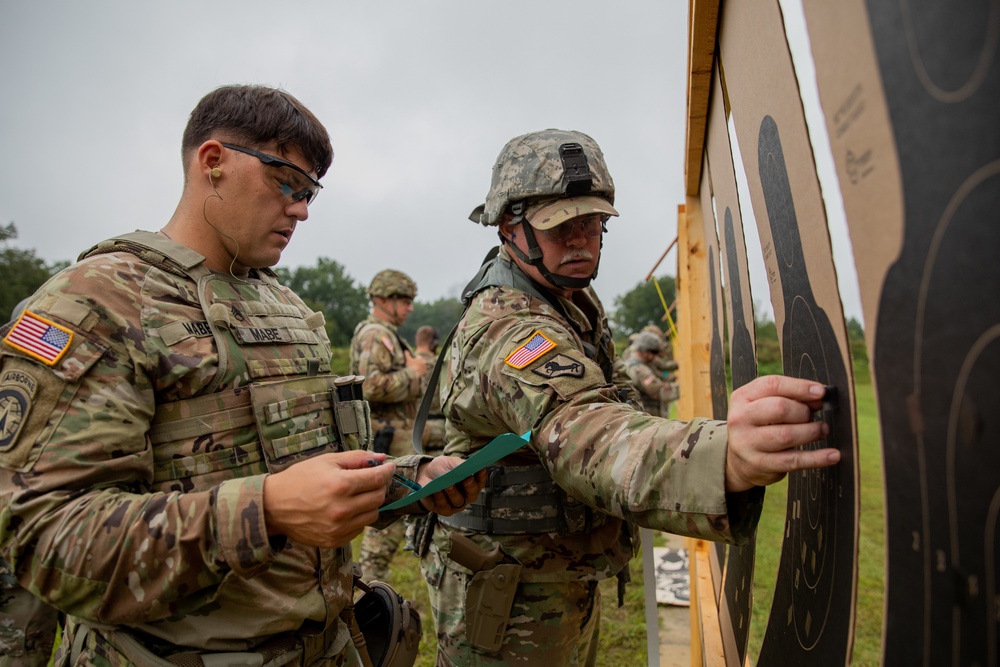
point(592, 226)
point(309, 192)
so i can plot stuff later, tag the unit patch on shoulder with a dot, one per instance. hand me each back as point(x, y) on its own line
point(560, 366)
point(16, 391)
point(388, 344)
point(41, 338)
point(536, 346)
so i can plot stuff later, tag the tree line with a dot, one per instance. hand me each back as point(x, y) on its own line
point(327, 287)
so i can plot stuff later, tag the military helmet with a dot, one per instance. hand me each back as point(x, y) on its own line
point(550, 164)
point(647, 341)
point(392, 283)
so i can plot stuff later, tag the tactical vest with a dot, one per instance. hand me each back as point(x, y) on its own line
point(271, 403)
point(520, 500)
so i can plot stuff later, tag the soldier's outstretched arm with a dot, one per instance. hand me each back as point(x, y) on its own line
point(327, 500)
point(768, 419)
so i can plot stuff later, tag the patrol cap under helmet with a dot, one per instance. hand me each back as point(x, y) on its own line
point(542, 167)
point(392, 283)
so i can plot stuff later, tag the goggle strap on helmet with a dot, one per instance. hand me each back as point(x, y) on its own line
point(577, 179)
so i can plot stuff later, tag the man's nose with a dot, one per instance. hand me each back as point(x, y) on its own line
point(299, 210)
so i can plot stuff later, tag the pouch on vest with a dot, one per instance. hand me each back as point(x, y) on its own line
point(295, 419)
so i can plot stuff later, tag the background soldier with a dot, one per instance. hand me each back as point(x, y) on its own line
point(655, 391)
point(171, 474)
point(533, 353)
point(426, 343)
point(393, 386)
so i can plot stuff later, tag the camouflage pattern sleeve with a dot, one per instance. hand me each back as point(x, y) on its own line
point(375, 354)
point(78, 521)
point(662, 474)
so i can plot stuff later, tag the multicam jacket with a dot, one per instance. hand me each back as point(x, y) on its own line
point(517, 364)
point(132, 465)
point(392, 390)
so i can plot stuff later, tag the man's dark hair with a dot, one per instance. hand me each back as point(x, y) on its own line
point(255, 116)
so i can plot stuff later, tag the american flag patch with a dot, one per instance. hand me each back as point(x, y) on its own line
point(536, 346)
point(42, 339)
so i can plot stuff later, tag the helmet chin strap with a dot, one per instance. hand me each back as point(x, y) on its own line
point(393, 316)
point(535, 257)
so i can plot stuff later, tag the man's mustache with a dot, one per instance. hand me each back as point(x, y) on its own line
point(576, 255)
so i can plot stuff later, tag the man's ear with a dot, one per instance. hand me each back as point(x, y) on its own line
point(209, 157)
point(507, 230)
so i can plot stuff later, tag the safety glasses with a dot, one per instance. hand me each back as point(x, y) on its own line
point(309, 192)
point(592, 227)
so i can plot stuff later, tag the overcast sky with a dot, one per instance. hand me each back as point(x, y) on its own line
point(419, 97)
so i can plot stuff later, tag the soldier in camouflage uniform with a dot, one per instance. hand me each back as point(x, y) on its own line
point(533, 353)
point(393, 387)
point(426, 347)
point(179, 472)
point(655, 391)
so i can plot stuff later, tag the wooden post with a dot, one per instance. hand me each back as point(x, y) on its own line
point(694, 314)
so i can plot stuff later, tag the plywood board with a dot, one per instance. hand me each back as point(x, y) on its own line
point(910, 92)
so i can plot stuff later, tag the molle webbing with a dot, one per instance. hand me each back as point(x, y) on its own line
point(524, 500)
point(287, 418)
point(202, 415)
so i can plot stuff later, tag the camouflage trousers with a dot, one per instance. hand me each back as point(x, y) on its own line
point(378, 547)
point(551, 624)
point(27, 625)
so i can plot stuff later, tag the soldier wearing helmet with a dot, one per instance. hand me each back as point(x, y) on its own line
point(655, 391)
point(533, 354)
point(393, 386)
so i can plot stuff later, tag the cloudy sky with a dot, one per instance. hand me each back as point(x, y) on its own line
point(419, 96)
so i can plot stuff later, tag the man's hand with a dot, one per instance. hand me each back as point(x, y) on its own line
point(327, 500)
point(768, 418)
point(417, 364)
point(453, 499)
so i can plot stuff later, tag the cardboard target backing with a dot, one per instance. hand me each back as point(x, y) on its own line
point(910, 92)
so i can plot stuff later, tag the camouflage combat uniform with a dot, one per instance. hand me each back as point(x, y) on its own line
point(27, 625)
point(611, 464)
point(132, 466)
point(393, 391)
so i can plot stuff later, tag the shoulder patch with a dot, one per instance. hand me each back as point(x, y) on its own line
point(388, 343)
point(17, 390)
point(560, 366)
point(41, 338)
point(533, 349)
